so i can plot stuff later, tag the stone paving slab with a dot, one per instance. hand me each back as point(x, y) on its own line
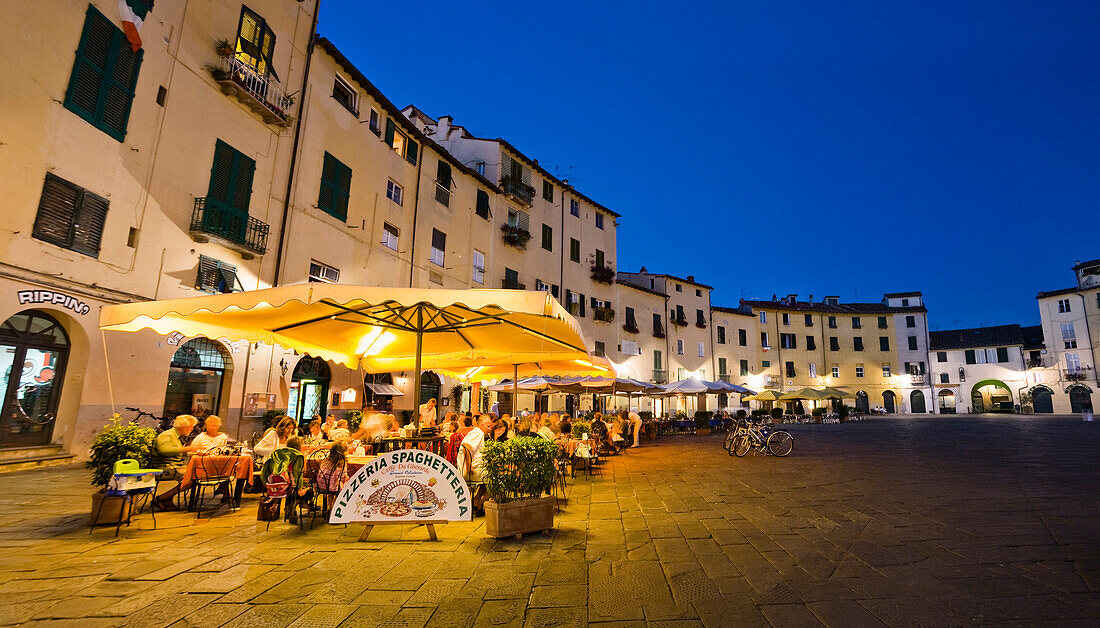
point(895, 521)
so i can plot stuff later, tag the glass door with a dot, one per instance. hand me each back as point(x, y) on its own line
point(31, 400)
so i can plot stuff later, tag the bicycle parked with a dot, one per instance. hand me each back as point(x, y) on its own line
point(160, 423)
point(749, 434)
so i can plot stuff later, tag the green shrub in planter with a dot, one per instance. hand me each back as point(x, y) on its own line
point(354, 418)
point(580, 428)
point(520, 468)
point(760, 413)
point(777, 413)
point(702, 418)
point(818, 412)
point(117, 441)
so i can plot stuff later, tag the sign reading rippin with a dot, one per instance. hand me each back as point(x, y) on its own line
point(49, 297)
point(405, 485)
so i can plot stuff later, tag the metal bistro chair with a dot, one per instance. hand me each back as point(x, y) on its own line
point(309, 481)
point(217, 466)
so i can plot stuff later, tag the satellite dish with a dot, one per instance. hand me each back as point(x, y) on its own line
point(1043, 352)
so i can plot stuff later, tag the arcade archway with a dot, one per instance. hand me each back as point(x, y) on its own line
point(990, 395)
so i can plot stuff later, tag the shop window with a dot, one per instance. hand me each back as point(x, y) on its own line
point(34, 351)
point(195, 378)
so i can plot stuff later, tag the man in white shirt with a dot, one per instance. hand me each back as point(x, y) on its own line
point(474, 441)
point(428, 417)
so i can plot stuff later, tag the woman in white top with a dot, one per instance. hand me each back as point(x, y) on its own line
point(275, 438)
point(210, 437)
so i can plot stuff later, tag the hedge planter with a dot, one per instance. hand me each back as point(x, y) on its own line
point(516, 518)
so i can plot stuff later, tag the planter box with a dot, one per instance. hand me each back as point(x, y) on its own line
point(108, 513)
point(515, 518)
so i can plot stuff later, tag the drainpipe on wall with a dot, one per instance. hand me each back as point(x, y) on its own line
point(294, 149)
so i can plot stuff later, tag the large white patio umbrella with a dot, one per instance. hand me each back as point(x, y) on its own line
point(381, 330)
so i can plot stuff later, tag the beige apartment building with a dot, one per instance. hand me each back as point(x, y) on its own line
point(1067, 366)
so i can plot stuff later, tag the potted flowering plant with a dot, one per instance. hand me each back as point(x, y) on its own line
point(115, 442)
point(518, 474)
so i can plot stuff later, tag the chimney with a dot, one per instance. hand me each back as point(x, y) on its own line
point(691, 278)
point(642, 271)
point(443, 128)
point(810, 300)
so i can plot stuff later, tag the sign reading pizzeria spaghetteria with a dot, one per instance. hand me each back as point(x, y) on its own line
point(405, 485)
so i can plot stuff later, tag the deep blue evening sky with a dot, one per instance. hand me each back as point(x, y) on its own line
point(849, 148)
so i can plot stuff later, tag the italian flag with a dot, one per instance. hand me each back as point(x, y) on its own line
point(133, 15)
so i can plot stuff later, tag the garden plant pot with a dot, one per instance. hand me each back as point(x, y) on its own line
point(518, 517)
point(106, 509)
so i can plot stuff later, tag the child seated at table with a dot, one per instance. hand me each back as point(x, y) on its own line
point(332, 473)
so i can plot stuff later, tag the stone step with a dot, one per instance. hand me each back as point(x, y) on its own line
point(35, 462)
point(36, 451)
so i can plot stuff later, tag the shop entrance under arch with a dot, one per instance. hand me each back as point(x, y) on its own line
point(1042, 400)
point(916, 402)
point(889, 401)
point(34, 350)
point(1080, 398)
point(947, 400)
point(990, 395)
point(196, 378)
point(309, 389)
point(863, 405)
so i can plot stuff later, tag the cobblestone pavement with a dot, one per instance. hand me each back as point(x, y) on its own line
point(900, 521)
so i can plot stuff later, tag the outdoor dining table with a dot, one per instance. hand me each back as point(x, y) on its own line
point(433, 444)
point(201, 467)
point(572, 443)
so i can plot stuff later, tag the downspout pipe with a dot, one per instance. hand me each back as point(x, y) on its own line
point(294, 149)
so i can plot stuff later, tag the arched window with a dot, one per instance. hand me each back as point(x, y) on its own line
point(862, 403)
point(196, 378)
point(916, 402)
point(430, 386)
point(889, 401)
point(309, 389)
point(947, 401)
point(34, 350)
point(1042, 400)
point(1080, 398)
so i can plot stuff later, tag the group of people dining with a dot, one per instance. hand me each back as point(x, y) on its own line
point(463, 436)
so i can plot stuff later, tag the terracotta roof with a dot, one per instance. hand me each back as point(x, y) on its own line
point(1054, 293)
point(637, 287)
point(1095, 262)
point(894, 295)
point(996, 336)
point(842, 308)
point(395, 113)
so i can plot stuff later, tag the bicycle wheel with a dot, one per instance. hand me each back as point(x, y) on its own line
point(740, 445)
point(727, 442)
point(780, 443)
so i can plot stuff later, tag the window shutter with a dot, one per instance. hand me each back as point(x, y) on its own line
point(389, 132)
point(523, 221)
point(439, 240)
point(120, 88)
point(410, 151)
point(343, 185)
point(221, 173)
point(206, 279)
point(227, 279)
point(325, 196)
point(56, 210)
point(244, 170)
point(88, 224)
point(101, 88)
point(482, 203)
point(443, 174)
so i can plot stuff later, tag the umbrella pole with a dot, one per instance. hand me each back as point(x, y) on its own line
point(515, 389)
point(416, 378)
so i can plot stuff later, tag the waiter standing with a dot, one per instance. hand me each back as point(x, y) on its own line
point(428, 417)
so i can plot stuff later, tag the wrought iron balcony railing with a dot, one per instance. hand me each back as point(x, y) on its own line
point(260, 92)
point(517, 189)
point(213, 218)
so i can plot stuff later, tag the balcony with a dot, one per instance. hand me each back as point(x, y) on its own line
point(660, 377)
point(630, 327)
point(262, 94)
point(679, 322)
point(603, 274)
point(603, 314)
point(512, 284)
point(916, 379)
point(235, 229)
point(701, 324)
point(517, 190)
point(1079, 374)
point(1037, 363)
point(658, 331)
point(516, 236)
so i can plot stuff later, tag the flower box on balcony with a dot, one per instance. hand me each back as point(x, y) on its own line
point(700, 324)
point(679, 322)
point(630, 328)
point(658, 333)
point(603, 274)
point(518, 190)
point(515, 235)
point(603, 314)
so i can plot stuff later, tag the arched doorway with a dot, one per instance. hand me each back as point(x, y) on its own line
point(34, 350)
point(195, 379)
point(1080, 398)
point(309, 389)
point(947, 401)
point(430, 386)
point(916, 402)
point(1042, 400)
point(889, 401)
point(991, 395)
point(380, 391)
point(862, 403)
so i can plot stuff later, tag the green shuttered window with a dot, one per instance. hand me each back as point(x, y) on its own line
point(335, 188)
point(101, 88)
point(70, 216)
point(231, 178)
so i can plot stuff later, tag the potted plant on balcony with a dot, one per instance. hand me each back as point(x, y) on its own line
point(603, 274)
point(219, 74)
point(630, 328)
point(518, 474)
point(224, 48)
point(516, 236)
point(115, 442)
